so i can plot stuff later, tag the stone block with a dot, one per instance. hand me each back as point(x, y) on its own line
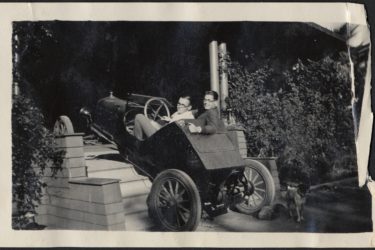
point(112, 193)
point(77, 172)
point(95, 208)
point(242, 145)
point(56, 181)
point(66, 172)
point(87, 193)
point(96, 164)
point(45, 199)
point(124, 173)
point(42, 209)
point(74, 152)
point(97, 190)
point(84, 216)
point(79, 225)
point(63, 192)
point(74, 162)
point(57, 222)
point(69, 141)
point(42, 219)
point(62, 172)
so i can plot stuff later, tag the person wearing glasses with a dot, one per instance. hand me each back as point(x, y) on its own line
point(209, 121)
point(146, 127)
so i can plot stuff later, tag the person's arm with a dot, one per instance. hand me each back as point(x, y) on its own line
point(210, 120)
point(185, 115)
point(210, 123)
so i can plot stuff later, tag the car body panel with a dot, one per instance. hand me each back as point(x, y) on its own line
point(216, 151)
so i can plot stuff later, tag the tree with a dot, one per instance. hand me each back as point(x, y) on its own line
point(32, 152)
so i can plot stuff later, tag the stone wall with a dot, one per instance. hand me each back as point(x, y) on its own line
point(71, 200)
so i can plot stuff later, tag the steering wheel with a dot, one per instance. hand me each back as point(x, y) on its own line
point(153, 113)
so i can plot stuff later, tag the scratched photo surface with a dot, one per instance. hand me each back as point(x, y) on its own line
point(290, 96)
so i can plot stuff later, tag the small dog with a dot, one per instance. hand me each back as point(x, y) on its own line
point(295, 183)
point(295, 197)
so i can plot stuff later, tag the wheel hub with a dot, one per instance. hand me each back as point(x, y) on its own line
point(250, 188)
point(172, 202)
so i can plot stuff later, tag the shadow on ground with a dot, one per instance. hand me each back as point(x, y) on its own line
point(339, 208)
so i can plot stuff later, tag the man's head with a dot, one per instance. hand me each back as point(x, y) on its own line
point(210, 99)
point(183, 104)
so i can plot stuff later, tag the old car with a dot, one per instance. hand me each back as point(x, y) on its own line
point(190, 173)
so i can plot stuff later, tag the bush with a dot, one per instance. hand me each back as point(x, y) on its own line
point(308, 119)
point(32, 152)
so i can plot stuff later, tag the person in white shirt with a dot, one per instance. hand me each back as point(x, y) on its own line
point(146, 127)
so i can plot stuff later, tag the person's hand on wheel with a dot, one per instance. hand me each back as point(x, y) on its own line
point(166, 118)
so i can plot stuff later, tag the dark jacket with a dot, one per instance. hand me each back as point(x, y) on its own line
point(210, 122)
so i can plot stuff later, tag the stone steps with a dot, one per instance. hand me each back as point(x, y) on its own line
point(96, 165)
point(134, 187)
point(123, 172)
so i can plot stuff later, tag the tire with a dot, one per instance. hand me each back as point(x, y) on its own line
point(171, 210)
point(263, 193)
point(63, 126)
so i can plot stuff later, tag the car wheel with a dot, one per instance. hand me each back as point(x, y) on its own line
point(63, 126)
point(174, 202)
point(262, 188)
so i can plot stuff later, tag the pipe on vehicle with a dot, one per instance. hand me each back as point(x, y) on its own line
point(223, 76)
point(214, 66)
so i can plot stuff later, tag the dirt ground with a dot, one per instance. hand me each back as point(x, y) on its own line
point(333, 208)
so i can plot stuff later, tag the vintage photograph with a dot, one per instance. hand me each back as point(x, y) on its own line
point(188, 126)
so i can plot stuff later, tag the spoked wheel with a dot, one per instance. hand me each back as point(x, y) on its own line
point(154, 107)
point(63, 126)
point(174, 202)
point(261, 190)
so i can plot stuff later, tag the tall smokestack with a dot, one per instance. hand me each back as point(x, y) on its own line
point(214, 66)
point(223, 76)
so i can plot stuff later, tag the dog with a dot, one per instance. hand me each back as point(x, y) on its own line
point(295, 184)
point(295, 197)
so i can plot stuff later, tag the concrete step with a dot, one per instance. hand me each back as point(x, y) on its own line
point(135, 188)
point(125, 174)
point(138, 222)
point(99, 148)
point(104, 164)
point(135, 204)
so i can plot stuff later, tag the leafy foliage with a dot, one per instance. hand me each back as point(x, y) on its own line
point(307, 120)
point(32, 152)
